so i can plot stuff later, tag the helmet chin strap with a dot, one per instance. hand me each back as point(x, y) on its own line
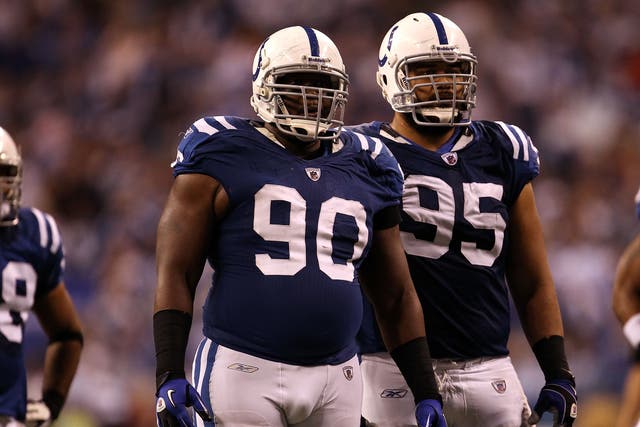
point(435, 116)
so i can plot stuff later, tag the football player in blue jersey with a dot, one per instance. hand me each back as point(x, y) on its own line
point(472, 235)
point(626, 306)
point(294, 217)
point(32, 266)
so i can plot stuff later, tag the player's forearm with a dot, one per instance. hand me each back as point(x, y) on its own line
point(173, 292)
point(624, 307)
point(402, 327)
point(630, 405)
point(401, 320)
point(61, 363)
point(626, 288)
point(174, 296)
point(539, 313)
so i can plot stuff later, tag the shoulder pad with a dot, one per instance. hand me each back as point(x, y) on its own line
point(48, 234)
point(519, 144)
point(206, 129)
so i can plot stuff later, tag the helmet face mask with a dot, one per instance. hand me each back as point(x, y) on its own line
point(426, 68)
point(10, 180)
point(300, 84)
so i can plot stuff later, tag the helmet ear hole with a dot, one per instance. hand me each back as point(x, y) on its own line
point(381, 79)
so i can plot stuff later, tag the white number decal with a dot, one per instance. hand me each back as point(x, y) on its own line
point(294, 232)
point(328, 212)
point(443, 218)
point(482, 220)
point(18, 293)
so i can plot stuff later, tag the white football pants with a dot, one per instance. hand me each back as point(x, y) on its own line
point(478, 392)
point(244, 390)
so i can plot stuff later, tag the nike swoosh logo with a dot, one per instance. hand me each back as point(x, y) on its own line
point(170, 396)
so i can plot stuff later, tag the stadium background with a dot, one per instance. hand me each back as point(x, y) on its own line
point(98, 92)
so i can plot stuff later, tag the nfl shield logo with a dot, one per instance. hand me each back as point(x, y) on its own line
point(500, 386)
point(313, 173)
point(348, 372)
point(450, 158)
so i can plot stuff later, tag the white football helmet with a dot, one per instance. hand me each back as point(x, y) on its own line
point(300, 84)
point(433, 99)
point(10, 180)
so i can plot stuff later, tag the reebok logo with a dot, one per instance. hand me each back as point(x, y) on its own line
point(393, 393)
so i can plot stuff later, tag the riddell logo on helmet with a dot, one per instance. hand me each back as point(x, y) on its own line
point(317, 59)
point(445, 48)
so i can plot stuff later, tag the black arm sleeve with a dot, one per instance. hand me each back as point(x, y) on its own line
point(414, 361)
point(552, 358)
point(170, 333)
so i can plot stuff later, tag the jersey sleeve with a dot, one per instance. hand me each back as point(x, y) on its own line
point(51, 268)
point(202, 140)
point(522, 154)
point(384, 167)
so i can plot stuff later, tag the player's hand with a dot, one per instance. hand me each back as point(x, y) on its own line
point(174, 397)
point(429, 414)
point(38, 414)
point(558, 397)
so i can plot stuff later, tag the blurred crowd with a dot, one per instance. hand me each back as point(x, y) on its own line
point(98, 93)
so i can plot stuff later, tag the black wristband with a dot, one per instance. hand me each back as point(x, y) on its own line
point(54, 401)
point(171, 334)
point(69, 335)
point(414, 361)
point(636, 355)
point(552, 358)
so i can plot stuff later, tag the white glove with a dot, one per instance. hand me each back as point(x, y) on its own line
point(38, 414)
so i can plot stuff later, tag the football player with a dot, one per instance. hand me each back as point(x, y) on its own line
point(32, 265)
point(626, 306)
point(294, 217)
point(472, 235)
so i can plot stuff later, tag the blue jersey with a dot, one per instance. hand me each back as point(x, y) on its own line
point(285, 257)
point(456, 207)
point(32, 264)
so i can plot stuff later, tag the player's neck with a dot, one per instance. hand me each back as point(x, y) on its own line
point(308, 150)
point(429, 137)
